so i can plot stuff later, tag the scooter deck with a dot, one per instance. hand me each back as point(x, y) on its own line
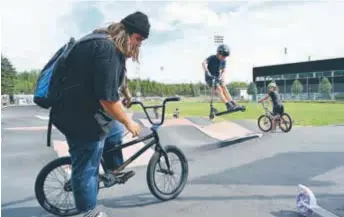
point(231, 111)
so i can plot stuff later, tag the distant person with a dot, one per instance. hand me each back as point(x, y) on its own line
point(214, 66)
point(11, 98)
point(88, 110)
point(278, 107)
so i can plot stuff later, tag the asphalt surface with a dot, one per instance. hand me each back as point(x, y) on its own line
point(254, 178)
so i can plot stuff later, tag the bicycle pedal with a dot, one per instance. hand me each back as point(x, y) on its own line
point(109, 179)
point(124, 177)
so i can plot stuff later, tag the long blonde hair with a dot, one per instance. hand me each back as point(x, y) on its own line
point(121, 40)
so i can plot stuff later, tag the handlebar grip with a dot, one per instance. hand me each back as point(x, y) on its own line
point(175, 98)
point(135, 102)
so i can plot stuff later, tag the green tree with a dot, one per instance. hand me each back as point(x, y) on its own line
point(8, 76)
point(252, 90)
point(234, 91)
point(325, 88)
point(296, 87)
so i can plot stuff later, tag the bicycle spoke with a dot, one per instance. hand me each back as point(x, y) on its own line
point(170, 181)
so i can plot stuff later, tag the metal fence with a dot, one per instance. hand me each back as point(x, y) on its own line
point(20, 99)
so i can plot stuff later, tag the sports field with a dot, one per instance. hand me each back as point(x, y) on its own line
point(304, 114)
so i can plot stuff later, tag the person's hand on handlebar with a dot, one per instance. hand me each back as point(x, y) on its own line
point(127, 102)
point(207, 74)
point(133, 128)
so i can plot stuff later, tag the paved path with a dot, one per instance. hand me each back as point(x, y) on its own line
point(254, 178)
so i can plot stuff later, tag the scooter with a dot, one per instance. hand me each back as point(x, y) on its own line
point(213, 111)
point(306, 203)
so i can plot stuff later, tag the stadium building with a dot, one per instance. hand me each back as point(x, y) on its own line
point(309, 73)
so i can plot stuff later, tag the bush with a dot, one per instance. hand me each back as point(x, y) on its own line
point(314, 101)
point(339, 96)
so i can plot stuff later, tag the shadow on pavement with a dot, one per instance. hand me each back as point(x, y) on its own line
point(25, 212)
point(138, 200)
point(17, 202)
point(286, 213)
point(282, 169)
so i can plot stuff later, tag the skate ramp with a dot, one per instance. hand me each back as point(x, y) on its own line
point(200, 121)
point(200, 132)
point(189, 134)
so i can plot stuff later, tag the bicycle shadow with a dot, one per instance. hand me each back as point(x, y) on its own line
point(33, 211)
point(132, 201)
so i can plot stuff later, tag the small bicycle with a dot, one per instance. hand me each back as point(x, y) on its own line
point(159, 163)
point(284, 121)
point(213, 111)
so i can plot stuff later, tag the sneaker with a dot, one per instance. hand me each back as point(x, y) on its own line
point(101, 214)
point(94, 213)
point(233, 103)
point(229, 106)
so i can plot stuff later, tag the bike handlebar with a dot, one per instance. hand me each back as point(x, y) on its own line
point(168, 99)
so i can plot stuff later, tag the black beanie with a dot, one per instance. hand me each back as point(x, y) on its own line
point(137, 23)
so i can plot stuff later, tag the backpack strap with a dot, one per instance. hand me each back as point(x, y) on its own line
point(72, 43)
point(50, 125)
point(88, 37)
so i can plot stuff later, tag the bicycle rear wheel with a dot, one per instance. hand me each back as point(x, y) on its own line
point(157, 164)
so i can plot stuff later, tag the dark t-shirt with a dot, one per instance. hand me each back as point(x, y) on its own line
point(276, 99)
point(97, 70)
point(215, 65)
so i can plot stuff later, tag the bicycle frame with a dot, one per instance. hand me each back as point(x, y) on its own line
point(154, 135)
point(266, 109)
point(155, 141)
point(270, 114)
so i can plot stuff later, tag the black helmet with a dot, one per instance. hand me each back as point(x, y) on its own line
point(223, 50)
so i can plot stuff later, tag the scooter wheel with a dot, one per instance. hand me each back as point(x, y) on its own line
point(302, 198)
point(211, 116)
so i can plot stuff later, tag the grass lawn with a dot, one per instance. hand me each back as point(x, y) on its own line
point(315, 114)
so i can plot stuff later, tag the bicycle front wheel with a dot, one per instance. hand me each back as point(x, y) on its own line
point(264, 123)
point(157, 166)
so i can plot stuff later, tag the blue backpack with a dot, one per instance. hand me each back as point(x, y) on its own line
point(50, 82)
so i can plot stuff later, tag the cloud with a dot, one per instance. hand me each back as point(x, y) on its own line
point(182, 33)
point(257, 34)
point(30, 32)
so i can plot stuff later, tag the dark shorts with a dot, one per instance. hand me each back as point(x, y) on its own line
point(278, 110)
point(209, 82)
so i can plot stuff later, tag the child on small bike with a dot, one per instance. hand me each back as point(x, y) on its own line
point(214, 67)
point(278, 107)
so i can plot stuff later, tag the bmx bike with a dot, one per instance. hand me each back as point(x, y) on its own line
point(213, 111)
point(158, 163)
point(284, 121)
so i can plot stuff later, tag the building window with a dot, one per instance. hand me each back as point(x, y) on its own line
point(327, 74)
point(338, 73)
point(319, 74)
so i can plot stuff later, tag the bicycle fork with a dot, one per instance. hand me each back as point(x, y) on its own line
point(162, 151)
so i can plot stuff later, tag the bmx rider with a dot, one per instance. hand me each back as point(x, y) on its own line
point(278, 107)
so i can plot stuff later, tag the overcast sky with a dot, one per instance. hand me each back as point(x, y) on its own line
point(181, 37)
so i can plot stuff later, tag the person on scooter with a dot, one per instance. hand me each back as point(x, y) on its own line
point(278, 107)
point(214, 67)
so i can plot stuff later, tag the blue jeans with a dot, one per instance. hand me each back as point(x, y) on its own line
point(86, 158)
